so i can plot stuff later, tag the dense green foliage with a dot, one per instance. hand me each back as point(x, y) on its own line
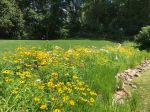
point(53, 19)
point(143, 38)
point(11, 19)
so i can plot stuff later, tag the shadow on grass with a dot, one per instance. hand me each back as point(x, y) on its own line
point(94, 36)
point(113, 38)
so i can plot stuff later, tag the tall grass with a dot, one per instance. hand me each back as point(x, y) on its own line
point(81, 66)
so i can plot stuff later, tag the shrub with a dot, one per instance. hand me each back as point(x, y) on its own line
point(143, 38)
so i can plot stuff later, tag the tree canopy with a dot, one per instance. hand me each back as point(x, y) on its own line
point(54, 19)
point(11, 19)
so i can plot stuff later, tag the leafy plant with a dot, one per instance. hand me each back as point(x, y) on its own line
point(143, 38)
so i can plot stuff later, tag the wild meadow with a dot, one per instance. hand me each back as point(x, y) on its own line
point(74, 79)
point(63, 55)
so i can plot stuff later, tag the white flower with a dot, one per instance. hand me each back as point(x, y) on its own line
point(104, 50)
point(70, 50)
point(38, 80)
point(57, 47)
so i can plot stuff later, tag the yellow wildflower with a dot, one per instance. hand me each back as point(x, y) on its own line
point(65, 98)
point(27, 65)
point(7, 79)
point(37, 99)
point(22, 76)
point(92, 100)
point(93, 93)
point(71, 102)
point(53, 99)
point(15, 90)
point(81, 89)
point(7, 72)
point(43, 106)
point(21, 81)
point(18, 73)
point(54, 75)
point(50, 84)
point(57, 110)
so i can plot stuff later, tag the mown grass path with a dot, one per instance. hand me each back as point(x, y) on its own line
point(10, 45)
point(143, 84)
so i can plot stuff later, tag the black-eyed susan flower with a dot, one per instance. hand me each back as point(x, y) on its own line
point(7, 72)
point(57, 110)
point(43, 106)
point(91, 100)
point(72, 102)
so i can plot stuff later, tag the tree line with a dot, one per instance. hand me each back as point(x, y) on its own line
point(55, 19)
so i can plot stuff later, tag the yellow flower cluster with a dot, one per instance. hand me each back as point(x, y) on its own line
point(79, 89)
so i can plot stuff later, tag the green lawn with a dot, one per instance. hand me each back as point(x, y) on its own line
point(12, 44)
point(143, 83)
